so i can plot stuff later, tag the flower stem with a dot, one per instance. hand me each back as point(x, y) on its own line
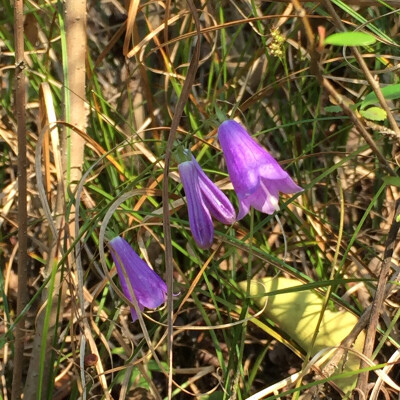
point(278, 220)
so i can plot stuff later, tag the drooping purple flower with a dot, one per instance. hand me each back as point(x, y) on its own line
point(149, 289)
point(204, 199)
point(256, 176)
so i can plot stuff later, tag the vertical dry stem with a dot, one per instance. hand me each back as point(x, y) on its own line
point(186, 88)
point(22, 201)
point(379, 299)
point(75, 82)
point(73, 151)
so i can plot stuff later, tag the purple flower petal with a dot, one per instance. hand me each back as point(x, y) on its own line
point(204, 199)
point(200, 220)
point(217, 203)
point(264, 199)
point(256, 176)
point(149, 289)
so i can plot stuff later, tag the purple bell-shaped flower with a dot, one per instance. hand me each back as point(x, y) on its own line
point(149, 289)
point(256, 176)
point(204, 199)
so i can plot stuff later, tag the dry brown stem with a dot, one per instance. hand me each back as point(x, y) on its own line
point(20, 101)
point(73, 151)
point(186, 88)
point(75, 82)
point(376, 306)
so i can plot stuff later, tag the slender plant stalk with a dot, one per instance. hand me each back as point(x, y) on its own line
point(73, 144)
point(20, 102)
point(75, 89)
point(166, 218)
point(73, 148)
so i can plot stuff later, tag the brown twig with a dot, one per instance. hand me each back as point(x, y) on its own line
point(381, 292)
point(20, 101)
point(187, 85)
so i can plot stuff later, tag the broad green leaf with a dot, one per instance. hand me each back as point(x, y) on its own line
point(390, 92)
point(297, 313)
point(350, 39)
point(374, 114)
point(358, 17)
